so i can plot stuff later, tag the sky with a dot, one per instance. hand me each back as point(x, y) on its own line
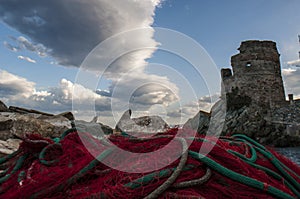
point(101, 57)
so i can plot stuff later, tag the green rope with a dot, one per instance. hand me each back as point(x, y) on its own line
point(149, 178)
point(155, 175)
point(290, 170)
point(43, 152)
point(17, 167)
point(56, 140)
point(21, 176)
point(3, 173)
point(67, 132)
point(253, 157)
point(277, 164)
point(244, 137)
point(8, 157)
point(76, 176)
point(275, 175)
point(239, 177)
point(272, 159)
point(251, 161)
point(90, 166)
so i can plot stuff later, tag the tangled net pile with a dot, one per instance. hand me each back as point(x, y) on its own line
point(236, 167)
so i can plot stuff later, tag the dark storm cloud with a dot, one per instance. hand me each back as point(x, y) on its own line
point(69, 27)
point(72, 28)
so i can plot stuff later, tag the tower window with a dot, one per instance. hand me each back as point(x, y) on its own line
point(248, 64)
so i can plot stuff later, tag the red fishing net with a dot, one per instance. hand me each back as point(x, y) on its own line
point(81, 166)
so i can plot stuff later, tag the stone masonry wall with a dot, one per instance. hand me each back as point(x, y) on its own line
point(256, 73)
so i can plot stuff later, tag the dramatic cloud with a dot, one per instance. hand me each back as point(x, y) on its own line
point(26, 59)
point(71, 29)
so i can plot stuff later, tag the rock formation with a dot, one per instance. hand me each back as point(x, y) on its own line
point(16, 125)
point(93, 127)
point(15, 122)
point(3, 107)
point(199, 123)
point(146, 124)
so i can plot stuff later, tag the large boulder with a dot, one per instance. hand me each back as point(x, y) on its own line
point(17, 125)
point(3, 107)
point(68, 115)
point(93, 127)
point(213, 121)
point(27, 111)
point(9, 146)
point(6, 125)
point(199, 123)
point(145, 124)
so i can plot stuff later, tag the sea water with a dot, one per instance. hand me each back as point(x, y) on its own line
point(292, 153)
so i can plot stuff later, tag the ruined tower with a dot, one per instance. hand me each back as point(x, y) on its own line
point(256, 74)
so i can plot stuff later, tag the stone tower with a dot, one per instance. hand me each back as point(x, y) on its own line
point(256, 74)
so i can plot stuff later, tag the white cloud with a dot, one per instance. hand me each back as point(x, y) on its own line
point(288, 71)
point(294, 63)
point(21, 92)
point(145, 89)
point(21, 43)
point(24, 43)
point(11, 47)
point(291, 77)
point(67, 88)
point(14, 87)
point(18, 91)
point(28, 59)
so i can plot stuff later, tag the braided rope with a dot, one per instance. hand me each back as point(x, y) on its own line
point(175, 174)
point(191, 183)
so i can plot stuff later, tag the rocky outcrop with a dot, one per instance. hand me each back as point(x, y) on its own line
point(278, 128)
point(27, 111)
point(95, 128)
point(3, 107)
point(199, 123)
point(17, 125)
point(146, 124)
point(15, 122)
point(9, 146)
